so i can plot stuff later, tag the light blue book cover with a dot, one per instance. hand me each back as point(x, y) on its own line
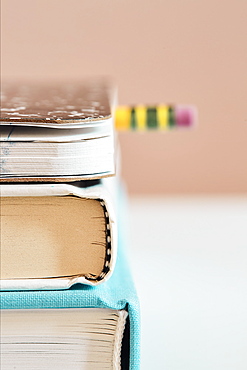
point(117, 293)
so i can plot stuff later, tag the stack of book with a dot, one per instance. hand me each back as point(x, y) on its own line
point(67, 296)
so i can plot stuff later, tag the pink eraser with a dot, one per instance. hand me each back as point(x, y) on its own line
point(185, 115)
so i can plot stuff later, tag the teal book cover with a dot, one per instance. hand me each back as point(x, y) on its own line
point(117, 293)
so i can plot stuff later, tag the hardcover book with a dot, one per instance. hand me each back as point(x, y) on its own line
point(59, 132)
point(55, 235)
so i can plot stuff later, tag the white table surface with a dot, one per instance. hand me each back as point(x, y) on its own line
point(189, 261)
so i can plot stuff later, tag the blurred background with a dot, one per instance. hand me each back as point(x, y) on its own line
point(174, 51)
point(188, 188)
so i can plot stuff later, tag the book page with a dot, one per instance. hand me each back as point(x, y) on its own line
point(56, 236)
point(86, 338)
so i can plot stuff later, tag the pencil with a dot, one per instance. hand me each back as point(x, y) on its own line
point(160, 117)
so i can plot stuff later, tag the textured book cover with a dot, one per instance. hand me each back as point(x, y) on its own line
point(57, 132)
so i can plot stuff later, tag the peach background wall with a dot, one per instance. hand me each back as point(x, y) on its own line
point(183, 51)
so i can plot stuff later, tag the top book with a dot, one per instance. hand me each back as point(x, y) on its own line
point(58, 132)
